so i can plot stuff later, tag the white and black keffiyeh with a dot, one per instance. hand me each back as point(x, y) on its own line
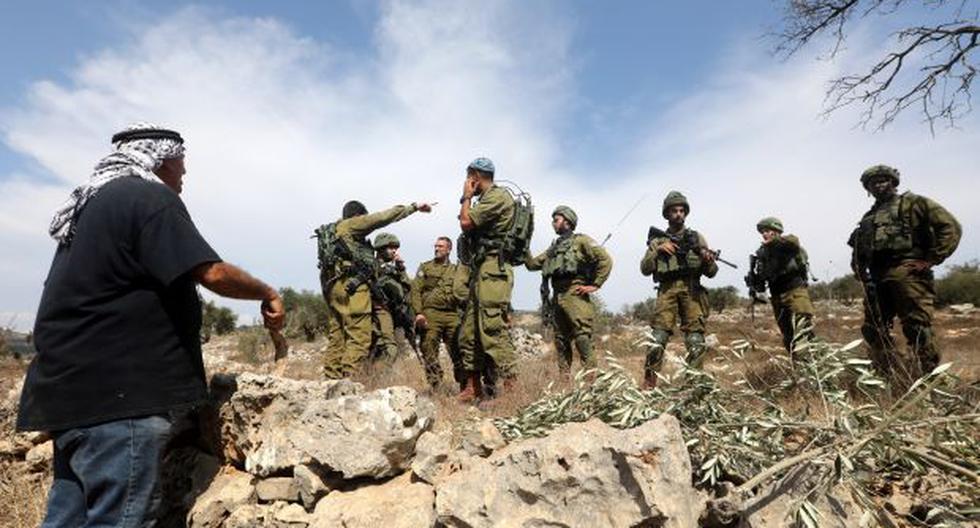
point(135, 158)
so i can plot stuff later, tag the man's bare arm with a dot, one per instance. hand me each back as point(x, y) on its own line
point(228, 280)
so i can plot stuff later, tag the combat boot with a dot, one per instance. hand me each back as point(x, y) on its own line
point(473, 390)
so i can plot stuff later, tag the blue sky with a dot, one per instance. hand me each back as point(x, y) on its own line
point(291, 108)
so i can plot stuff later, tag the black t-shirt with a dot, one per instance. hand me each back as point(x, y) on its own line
point(118, 329)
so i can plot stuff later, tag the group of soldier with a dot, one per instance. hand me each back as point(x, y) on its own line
point(466, 305)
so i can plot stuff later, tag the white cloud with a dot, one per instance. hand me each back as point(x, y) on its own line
point(282, 130)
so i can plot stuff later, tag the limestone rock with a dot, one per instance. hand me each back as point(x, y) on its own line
point(39, 457)
point(776, 507)
point(397, 503)
point(277, 489)
point(583, 474)
point(227, 492)
point(431, 454)
point(274, 424)
point(310, 485)
point(962, 309)
point(483, 439)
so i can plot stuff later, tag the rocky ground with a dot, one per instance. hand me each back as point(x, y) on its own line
point(280, 447)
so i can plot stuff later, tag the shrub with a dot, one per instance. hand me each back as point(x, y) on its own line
point(721, 298)
point(961, 284)
point(845, 289)
point(216, 320)
point(306, 313)
point(643, 310)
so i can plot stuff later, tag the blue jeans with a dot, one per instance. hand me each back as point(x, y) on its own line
point(108, 474)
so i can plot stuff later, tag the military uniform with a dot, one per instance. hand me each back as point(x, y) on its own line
point(432, 296)
point(395, 287)
point(484, 329)
point(572, 260)
point(349, 329)
point(782, 264)
point(895, 232)
point(679, 291)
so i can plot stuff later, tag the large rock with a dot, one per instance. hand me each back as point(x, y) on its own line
point(272, 424)
point(227, 492)
point(583, 474)
point(398, 503)
point(777, 505)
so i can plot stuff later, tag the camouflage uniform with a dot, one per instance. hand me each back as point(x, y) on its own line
point(432, 296)
point(782, 264)
point(396, 287)
point(896, 231)
point(349, 329)
point(486, 319)
point(679, 293)
point(573, 260)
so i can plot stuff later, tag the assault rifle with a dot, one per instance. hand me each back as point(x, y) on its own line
point(547, 304)
point(683, 246)
point(757, 287)
point(401, 312)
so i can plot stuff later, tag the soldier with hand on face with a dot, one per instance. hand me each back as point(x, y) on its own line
point(576, 267)
point(437, 312)
point(676, 262)
point(781, 264)
point(895, 246)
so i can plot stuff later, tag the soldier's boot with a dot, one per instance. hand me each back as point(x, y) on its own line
point(696, 349)
point(881, 349)
point(655, 357)
point(473, 390)
point(923, 348)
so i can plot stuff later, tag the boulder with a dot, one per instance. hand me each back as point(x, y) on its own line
point(271, 424)
point(431, 454)
point(777, 505)
point(277, 489)
point(962, 309)
point(228, 491)
point(582, 474)
point(39, 457)
point(483, 439)
point(397, 503)
point(310, 485)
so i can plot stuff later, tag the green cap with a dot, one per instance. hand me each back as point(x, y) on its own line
point(566, 212)
point(879, 170)
point(769, 222)
point(675, 198)
point(384, 240)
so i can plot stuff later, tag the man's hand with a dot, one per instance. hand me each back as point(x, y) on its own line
point(583, 289)
point(423, 207)
point(917, 266)
point(668, 247)
point(273, 312)
point(421, 321)
point(469, 187)
point(708, 255)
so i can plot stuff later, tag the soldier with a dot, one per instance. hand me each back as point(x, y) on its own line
point(895, 246)
point(344, 277)
point(576, 267)
point(484, 339)
point(781, 263)
point(390, 299)
point(677, 262)
point(437, 318)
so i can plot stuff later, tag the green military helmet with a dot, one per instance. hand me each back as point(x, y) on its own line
point(769, 222)
point(566, 212)
point(675, 198)
point(384, 240)
point(879, 170)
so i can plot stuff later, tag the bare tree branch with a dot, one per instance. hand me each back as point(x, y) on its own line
point(929, 65)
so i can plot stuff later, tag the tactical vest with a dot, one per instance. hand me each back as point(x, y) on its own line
point(886, 233)
point(336, 258)
point(564, 263)
point(685, 263)
point(783, 272)
point(390, 283)
point(437, 286)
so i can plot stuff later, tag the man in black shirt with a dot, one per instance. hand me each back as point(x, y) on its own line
point(118, 331)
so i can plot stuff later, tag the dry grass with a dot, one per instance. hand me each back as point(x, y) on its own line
point(22, 496)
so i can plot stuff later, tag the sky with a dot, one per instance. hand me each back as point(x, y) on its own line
point(290, 109)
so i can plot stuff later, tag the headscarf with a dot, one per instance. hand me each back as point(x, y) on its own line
point(134, 157)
